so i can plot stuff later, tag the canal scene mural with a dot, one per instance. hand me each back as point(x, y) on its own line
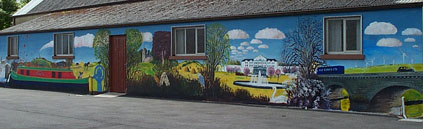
point(276, 61)
point(38, 69)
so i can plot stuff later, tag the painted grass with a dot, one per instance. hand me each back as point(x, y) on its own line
point(383, 68)
point(413, 111)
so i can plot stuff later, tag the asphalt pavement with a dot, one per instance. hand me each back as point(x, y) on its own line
point(33, 109)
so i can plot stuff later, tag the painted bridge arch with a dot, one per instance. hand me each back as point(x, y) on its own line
point(362, 88)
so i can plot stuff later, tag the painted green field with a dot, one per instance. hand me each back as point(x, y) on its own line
point(383, 68)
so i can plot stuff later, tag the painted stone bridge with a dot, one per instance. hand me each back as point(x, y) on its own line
point(363, 89)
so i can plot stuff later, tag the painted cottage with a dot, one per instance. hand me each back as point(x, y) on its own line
point(350, 55)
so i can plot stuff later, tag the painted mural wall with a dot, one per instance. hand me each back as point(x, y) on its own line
point(263, 60)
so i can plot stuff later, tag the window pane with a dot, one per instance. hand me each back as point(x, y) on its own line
point(65, 44)
point(70, 44)
point(190, 41)
point(353, 35)
point(200, 41)
point(335, 36)
point(59, 43)
point(15, 46)
point(180, 41)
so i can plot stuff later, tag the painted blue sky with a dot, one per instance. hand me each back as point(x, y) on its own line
point(387, 34)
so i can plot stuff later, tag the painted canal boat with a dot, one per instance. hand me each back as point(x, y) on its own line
point(46, 77)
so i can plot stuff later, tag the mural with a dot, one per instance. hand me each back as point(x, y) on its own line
point(263, 60)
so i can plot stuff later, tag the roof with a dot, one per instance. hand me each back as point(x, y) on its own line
point(165, 11)
point(42, 6)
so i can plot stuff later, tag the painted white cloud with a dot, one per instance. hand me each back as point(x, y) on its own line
point(389, 42)
point(270, 33)
point(411, 31)
point(47, 45)
point(256, 41)
point(233, 48)
point(250, 48)
point(244, 44)
point(263, 46)
point(380, 28)
point(84, 41)
point(415, 46)
point(255, 50)
point(244, 51)
point(238, 34)
point(147, 37)
point(241, 48)
point(410, 40)
point(234, 51)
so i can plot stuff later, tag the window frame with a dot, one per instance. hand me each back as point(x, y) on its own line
point(9, 56)
point(344, 35)
point(174, 45)
point(64, 56)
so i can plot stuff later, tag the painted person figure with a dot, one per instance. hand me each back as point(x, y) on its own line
point(164, 80)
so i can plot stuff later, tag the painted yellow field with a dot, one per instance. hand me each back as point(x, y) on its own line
point(229, 78)
point(86, 71)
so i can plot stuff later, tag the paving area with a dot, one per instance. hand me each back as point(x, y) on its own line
point(32, 109)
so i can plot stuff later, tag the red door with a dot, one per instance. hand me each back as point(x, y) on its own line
point(117, 61)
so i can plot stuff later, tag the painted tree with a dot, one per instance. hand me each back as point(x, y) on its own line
point(217, 52)
point(7, 8)
point(101, 51)
point(278, 73)
point(270, 71)
point(304, 47)
point(133, 43)
point(246, 71)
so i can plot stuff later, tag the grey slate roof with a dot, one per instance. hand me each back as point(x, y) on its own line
point(167, 11)
point(54, 5)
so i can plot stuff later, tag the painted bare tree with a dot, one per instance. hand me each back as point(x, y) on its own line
point(303, 49)
point(217, 52)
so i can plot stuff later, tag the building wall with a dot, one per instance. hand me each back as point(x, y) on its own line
point(386, 38)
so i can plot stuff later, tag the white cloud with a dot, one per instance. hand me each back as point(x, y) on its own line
point(84, 41)
point(47, 45)
point(380, 28)
point(245, 51)
point(415, 46)
point(389, 42)
point(412, 31)
point(244, 44)
point(238, 34)
point(256, 41)
point(147, 37)
point(270, 33)
point(263, 46)
point(250, 48)
point(255, 50)
point(410, 40)
point(233, 48)
point(241, 48)
point(234, 51)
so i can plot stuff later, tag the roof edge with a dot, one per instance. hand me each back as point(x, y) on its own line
point(259, 15)
point(82, 7)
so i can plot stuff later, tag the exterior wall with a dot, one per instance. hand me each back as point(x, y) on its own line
point(287, 83)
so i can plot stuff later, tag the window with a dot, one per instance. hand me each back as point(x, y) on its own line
point(12, 45)
point(63, 44)
point(343, 35)
point(188, 41)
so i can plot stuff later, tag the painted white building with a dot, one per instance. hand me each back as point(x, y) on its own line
point(259, 61)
